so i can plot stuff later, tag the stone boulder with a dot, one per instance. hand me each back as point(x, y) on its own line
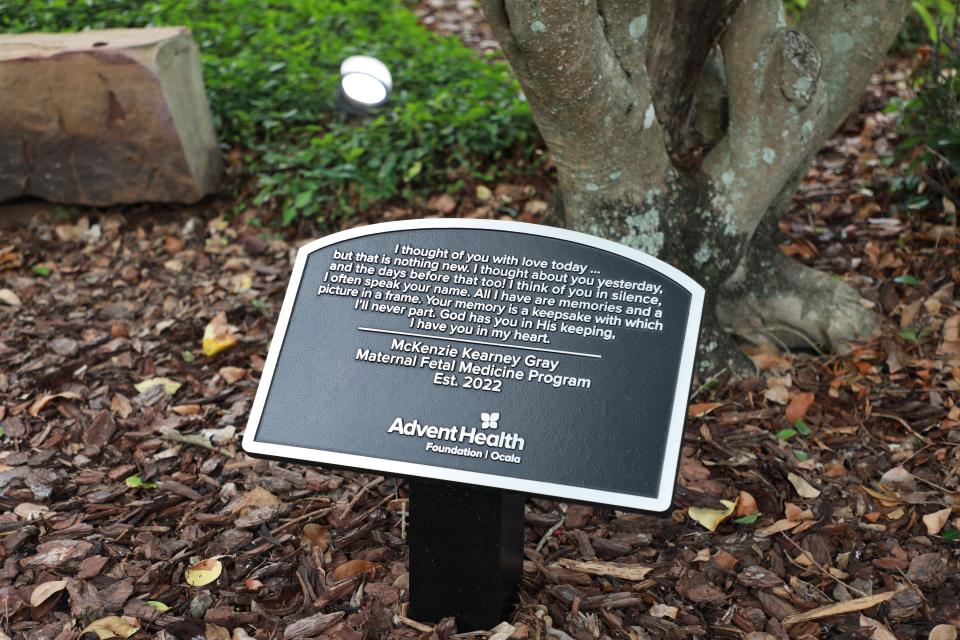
point(105, 117)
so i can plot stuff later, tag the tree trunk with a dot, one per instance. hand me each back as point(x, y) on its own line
point(680, 127)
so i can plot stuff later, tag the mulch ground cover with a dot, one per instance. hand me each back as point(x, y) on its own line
point(127, 508)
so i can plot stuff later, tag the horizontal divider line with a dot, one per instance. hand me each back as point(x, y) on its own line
point(489, 344)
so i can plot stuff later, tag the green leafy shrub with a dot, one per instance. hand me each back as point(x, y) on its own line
point(272, 67)
point(930, 126)
point(920, 27)
point(930, 17)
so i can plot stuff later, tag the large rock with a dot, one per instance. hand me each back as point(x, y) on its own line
point(105, 117)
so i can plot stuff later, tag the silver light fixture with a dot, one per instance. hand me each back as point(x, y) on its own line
point(365, 84)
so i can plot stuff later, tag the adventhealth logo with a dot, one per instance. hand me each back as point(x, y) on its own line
point(458, 434)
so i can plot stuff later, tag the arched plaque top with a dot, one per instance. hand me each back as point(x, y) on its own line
point(645, 259)
point(498, 354)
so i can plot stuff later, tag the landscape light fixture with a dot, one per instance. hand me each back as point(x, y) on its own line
point(365, 84)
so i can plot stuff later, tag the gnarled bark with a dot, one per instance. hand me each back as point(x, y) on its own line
point(616, 86)
point(772, 297)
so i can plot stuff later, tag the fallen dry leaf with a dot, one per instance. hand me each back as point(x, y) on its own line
point(793, 512)
point(218, 335)
point(746, 505)
point(172, 244)
point(804, 488)
point(799, 404)
point(937, 520)
point(896, 514)
point(778, 389)
point(724, 561)
point(121, 406)
point(880, 630)
point(29, 511)
point(44, 590)
point(220, 436)
point(43, 401)
point(711, 518)
point(536, 207)
point(664, 611)
point(232, 374)
point(633, 572)
point(775, 528)
point(187, 409)
point(242, 282)
point(10, 259)
point(951, 329)
point(203, 572)
point(702, 409)
point(765, 361)
point(442, 203)
point(317, 535)
point(74, 232)
point(8, 297)
point(887, 499)
point(258, 516)
point(170, 387)
point(943, 632)
point(898, 478)
point(56, 552)
point(113, 627)
point(908, 313)
point(216, 632)
point(256, 498)
point(352, 568)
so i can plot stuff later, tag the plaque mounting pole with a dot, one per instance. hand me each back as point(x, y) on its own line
point(466, 553)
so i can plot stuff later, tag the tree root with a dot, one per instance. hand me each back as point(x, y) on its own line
point(718, 351)
point(774, 298)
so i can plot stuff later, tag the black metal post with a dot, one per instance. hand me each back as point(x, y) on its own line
point(466, 553)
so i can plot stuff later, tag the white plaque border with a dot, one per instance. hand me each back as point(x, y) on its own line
point(393, 467)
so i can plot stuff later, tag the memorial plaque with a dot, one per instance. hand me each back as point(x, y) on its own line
point(498, 354)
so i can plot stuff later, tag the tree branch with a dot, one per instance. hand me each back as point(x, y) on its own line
point(625, 25)
point(590, 106)
point(851, 37)
point(789, 90)
point(777, 112)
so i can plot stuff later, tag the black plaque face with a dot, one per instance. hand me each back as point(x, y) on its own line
point(498, 354)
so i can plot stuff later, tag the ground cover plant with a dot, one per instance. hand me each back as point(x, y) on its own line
point(930, 124)
point(271, 69)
